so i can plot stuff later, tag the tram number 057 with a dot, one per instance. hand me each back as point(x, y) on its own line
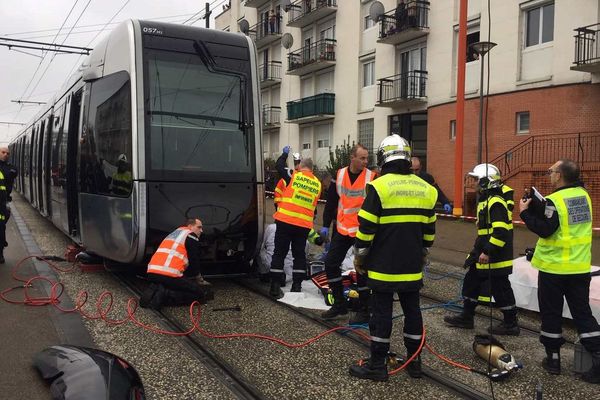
point(154, 31)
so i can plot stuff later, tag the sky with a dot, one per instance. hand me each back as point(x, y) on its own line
point(37, 76)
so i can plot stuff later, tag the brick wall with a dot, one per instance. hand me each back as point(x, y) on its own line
point(554, 110)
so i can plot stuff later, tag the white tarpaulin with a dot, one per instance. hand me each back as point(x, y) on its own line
point(524, 280)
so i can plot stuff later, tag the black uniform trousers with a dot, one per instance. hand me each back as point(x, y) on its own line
point(177, 291)
point(333, 261)
point(380, 324)
point(477, 283)
point(286, 235)
point(552, 289)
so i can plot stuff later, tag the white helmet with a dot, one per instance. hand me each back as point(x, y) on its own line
point(297, 157)
point(393, 147)
point(122, 158)
point(487, 175)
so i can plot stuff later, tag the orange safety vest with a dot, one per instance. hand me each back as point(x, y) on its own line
point(171, 258)
point(299, 200)
point(278, 195)
point(352, 196)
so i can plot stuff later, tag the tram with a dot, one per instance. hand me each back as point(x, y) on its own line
point(160, 123)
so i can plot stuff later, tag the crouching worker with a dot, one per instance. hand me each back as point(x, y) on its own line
point(174, 270)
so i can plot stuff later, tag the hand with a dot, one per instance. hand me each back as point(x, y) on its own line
point(358, 265)
point(447, 208)
point(524, 204)
point(324, 232)
point(484, 258)
point(286, 149)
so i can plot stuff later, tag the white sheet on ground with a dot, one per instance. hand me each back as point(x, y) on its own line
point(310, 297)
point(524, 283)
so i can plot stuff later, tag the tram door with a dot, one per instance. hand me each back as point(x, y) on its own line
point(73, 164)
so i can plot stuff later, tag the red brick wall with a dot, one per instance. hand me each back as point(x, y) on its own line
point(552, 110)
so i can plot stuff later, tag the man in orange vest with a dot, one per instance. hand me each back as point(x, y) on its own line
point(294, 219)
point(344, 198)
point(174, 269)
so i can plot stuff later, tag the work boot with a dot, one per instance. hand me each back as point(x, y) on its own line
point(461, 320)
point(337, 311)
point(2, 261)
point(551, 362)
point(593, 374)
point(147, 295)
point(505, 328)
point(359, 317)
point(375, 371)
point(414, 368)
point(275, 290)
point(296, 286)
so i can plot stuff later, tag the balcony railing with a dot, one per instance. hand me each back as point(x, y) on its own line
point(408, 21)
point(266, 31)
point(402, 88)
point(271, 117)
point(320, 106)
point(312, 57)
point(254, 3)
point(269, 74)
point(304, 12)
point(587, 49)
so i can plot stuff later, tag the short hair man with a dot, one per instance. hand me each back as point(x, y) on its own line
point(415, 166)
point(563, 256)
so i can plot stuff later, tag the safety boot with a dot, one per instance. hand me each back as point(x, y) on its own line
point(551, 362)
point(505, 328)
point(337, 311)
point(275, 290)
point(414, 368)
point(2, 261)
point(296, 286)
point(462, 320)
point(373, 370)
point(593, 374)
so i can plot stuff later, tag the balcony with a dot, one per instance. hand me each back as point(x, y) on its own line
point(266, 32)
point(587, 49)
point(271, 117)
point(269, 74)
point(312, 58)
point(407, 89)
point(255, 3)
point(304, 12)
point(407, 22)
point(313, 108)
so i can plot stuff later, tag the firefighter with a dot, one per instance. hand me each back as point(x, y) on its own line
point(396, 227)
point(174, 269)
point(344, 198)
point(294, 220)
point(563, 256)
point(280, 187)
point(492, 256)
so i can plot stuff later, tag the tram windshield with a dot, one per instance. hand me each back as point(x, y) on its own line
point(195, 117)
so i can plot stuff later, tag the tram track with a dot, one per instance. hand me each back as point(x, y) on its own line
point(222, 371)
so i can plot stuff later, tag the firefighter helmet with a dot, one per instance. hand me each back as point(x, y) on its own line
point(393, 148)
point(487, 175)
point(297, 157)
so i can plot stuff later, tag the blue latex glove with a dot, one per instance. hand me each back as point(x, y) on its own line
point(324, 232)
point(286, 149)
point(447, 208)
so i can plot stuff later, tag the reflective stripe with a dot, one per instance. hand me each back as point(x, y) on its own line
point(368, 216)
point(486, 299)
point(589, 335)
point(351, 210)
point(164, 268)
point(506, 308)
point(429, 238)
point(363, 289)
point(470, 299)
point(497, 242)
point(298, 271)
point(500, 264)
point(551, 335)
point(276, 270)
point(293, 213)
point(484, 232)
point(394, 219)
point(173, 253)
point(414, 337)
point(365, 237)
point(380, 340)
point(500, 224)
point(380, 276)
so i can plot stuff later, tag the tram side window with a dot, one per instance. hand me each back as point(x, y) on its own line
point(106, 139)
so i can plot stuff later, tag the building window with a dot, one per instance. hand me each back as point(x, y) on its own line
point(472, 38)
point(368, 22)
point(369, 73)
point(365, 133)
point(305, 146)
point(322, 143)
point(523, 122)
point(540, 25)
point(453, 129)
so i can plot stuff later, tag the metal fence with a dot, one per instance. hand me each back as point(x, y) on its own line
point(587, 44)
point(319, 104)
point(268, 26)
point(301, 8)
point(407, 86)
point(271, 116)
point(413, 14)
point(322, 50)
point(270, 71)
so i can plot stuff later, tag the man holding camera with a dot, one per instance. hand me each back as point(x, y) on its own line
point(563, 256)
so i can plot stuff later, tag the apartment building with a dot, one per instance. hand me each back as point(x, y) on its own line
point(347, 76)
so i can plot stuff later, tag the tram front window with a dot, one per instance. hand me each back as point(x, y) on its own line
point(194, 117)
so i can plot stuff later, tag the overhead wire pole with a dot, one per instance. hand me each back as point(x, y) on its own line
point(207, 13)
point(461, 61)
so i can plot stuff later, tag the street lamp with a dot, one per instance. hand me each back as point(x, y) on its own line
point(481, 48)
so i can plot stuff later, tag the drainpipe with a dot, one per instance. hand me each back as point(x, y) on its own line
point(461, 61)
